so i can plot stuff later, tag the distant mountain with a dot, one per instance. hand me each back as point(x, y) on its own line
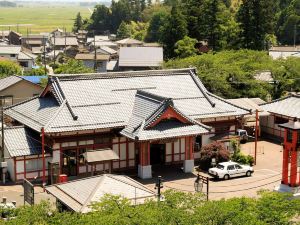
point(7, 4)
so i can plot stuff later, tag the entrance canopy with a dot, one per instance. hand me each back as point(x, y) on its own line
point(100, 155)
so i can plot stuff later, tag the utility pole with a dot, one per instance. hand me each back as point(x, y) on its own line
point(295, 35)
point(2, 130)
point(159, 186)
point(54, 56)
point(256, 135)
point(44, 53)
point(95, 53)
point(65, 29)
point(43, 156)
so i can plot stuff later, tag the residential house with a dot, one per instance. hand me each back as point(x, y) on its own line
point(61, 43)
point(16, 54)
point(281, 111)
point(15, 89)
point(14, 38)
point(34, 40)
point(139, 58)
point(129, 42)
point(93, 189)
point(4, 34)
point(57, 33)
point(277, 52)
point(88, 60)
point(82, 36)
point(146, 118)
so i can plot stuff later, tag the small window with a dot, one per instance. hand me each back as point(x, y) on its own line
point(231, 167)
point(238, 167)
point(13, 55)
point(280, 120)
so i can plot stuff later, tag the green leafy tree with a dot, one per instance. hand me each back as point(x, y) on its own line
point(100, 19)
point(143, 5)
point(185, 47)
point(155, 30)
point(257, 19)
point(78, 23)
point(174, 30)
point(72, 66)
point(8, 68)
point(124, 31)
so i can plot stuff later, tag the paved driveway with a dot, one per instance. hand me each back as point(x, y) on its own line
point(266, 176)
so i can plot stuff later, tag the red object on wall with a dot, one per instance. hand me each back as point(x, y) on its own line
point(62, 178)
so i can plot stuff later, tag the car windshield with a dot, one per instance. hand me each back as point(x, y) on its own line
point(220, 167)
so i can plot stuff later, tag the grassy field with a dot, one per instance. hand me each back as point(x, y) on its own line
point(41, 18)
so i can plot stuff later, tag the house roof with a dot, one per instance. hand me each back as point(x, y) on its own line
point(103, 43)
point(78, 195)
point(108, 50)
point(288, 106)
point(34, 79)
point(264, 76)
point(83, 56)
point(250, 103)
point(26, 56)
point(285, 48)
point(8, 81)
point(21, 141)
point(10, 49)
point(147, 109)
point(106, 100)
point(62, 41)
point(140, 57)
point(128, 41)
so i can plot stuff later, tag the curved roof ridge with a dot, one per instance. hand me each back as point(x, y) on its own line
point(224, 100)
point(280, 99)
point(75, 117)
point(196, 80)
point(121, 74)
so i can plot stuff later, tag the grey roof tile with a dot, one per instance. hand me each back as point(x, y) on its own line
point(21, 141)
point(288, 106)
point(95, 101)
point(8, 81)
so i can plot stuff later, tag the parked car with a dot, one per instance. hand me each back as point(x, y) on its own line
point(226, 170)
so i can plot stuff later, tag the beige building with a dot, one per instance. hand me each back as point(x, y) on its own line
point(14, 89)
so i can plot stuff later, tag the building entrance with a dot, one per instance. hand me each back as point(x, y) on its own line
point(69, 166)
point(157, 154)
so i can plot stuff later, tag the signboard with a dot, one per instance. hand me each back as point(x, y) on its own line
point(28, 192)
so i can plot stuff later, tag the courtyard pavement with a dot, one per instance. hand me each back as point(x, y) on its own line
point(266, 176)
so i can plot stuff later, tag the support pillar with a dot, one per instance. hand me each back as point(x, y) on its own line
point(285, 167)
point(188, 164)
point(144, 168)
point(293, 173)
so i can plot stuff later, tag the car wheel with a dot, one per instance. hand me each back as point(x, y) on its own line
point(226, 177)
point(248, 174)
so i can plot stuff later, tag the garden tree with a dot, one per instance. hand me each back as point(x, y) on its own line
point(121, 11)
point(124, 31)
point(175, 29)
point(155, 29)
point(72, 66)
point(138, 30)
point(8, 68)
point(289, 23)
point(143, 5)
point(185, 47)
point(177, 208)
point(257, 19)
point(78, 23)
point(215, 150)
point(149, 2)
point(35, 72)
point(100, 19)
point(216, 69)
